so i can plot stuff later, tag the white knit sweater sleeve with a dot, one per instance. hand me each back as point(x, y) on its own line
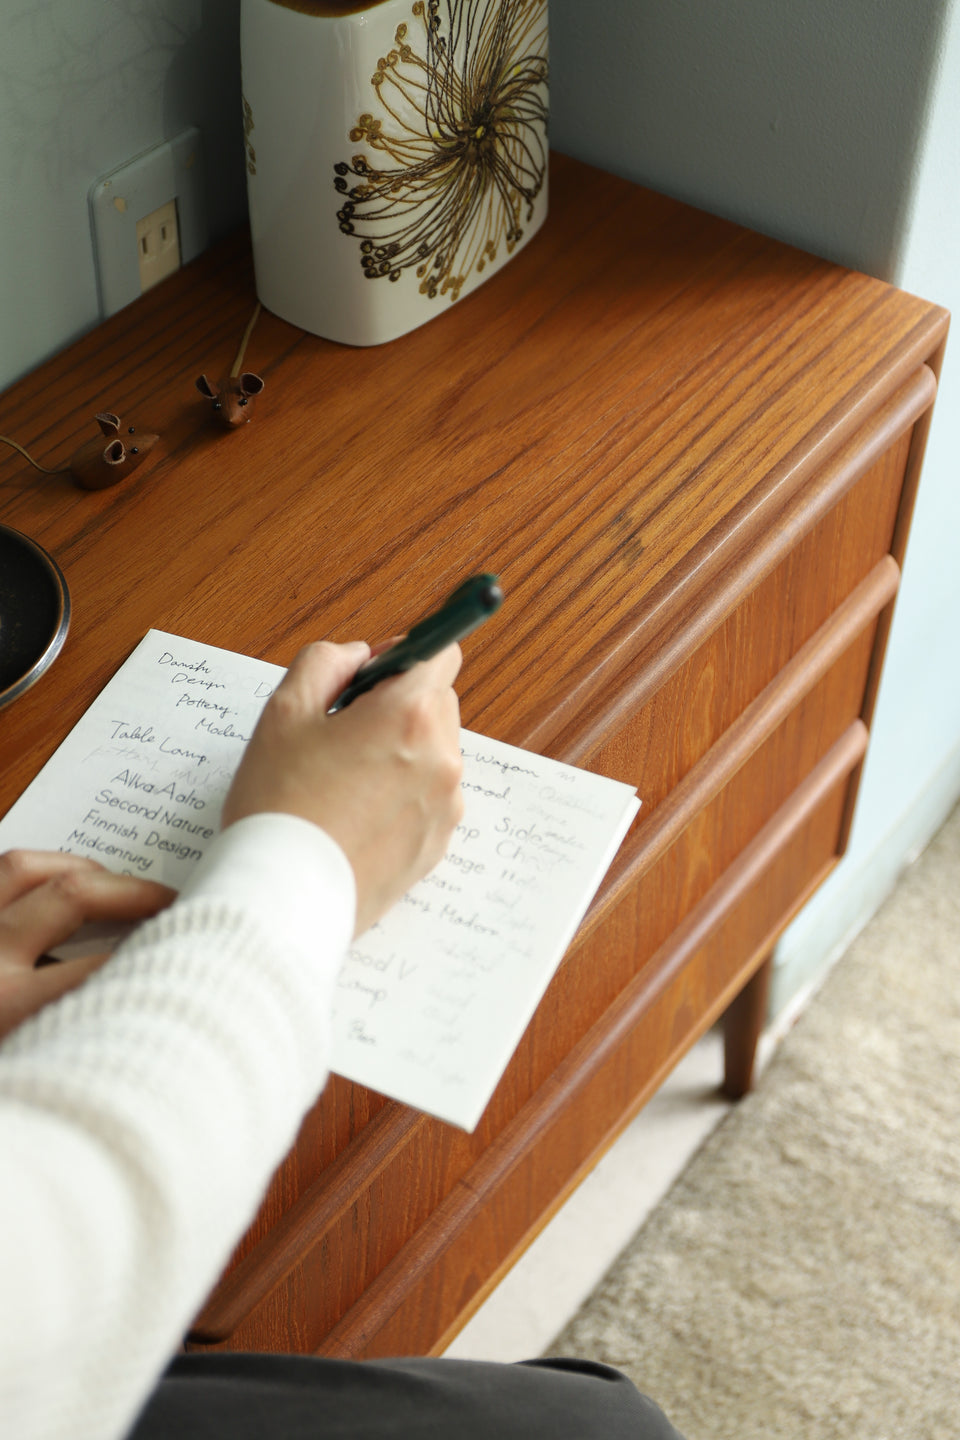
point(142, 1116)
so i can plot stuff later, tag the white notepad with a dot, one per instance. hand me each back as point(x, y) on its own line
point(432, 1000)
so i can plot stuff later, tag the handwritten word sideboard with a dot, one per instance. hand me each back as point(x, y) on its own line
point(691, 455)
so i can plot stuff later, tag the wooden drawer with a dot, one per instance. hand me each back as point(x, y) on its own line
point(765, 626)
point(667, 883)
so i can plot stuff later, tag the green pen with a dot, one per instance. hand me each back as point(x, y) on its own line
point(469, 605)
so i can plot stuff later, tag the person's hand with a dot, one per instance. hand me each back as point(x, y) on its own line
point(44, 898)
point(381, 777)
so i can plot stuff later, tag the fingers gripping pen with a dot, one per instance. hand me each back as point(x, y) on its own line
point(469, 605)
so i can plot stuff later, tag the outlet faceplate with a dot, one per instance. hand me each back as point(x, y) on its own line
point(123, 205)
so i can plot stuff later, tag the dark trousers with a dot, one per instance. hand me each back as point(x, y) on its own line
point(281, 1397)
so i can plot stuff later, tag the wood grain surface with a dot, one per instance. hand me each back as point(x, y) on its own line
point(690, 453)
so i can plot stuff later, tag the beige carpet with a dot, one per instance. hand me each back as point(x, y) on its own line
point(802, 1278)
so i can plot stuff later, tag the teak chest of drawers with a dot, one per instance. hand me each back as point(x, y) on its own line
point(691, 454)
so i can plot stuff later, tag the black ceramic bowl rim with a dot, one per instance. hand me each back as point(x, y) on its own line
point(54, 644)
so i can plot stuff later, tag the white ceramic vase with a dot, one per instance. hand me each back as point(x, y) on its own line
point(396, 154)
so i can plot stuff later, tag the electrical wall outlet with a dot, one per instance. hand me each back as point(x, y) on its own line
point(148, 219)
point(158, 245)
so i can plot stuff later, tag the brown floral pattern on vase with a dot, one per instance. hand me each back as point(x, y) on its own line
point(457, 153)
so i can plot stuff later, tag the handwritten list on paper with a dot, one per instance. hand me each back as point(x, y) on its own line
point(433, 999)
point(140, 781)
point(464, 958)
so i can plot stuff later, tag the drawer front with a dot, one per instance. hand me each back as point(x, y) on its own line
point(703, 697)
point(665, 892)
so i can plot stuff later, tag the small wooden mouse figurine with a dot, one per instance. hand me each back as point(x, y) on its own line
point(231, 397)
point(97, 466)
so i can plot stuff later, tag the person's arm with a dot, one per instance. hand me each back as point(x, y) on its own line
point(142, 1114)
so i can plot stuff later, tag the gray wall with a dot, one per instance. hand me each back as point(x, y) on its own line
point(800, 119)
point(85, 85)
point(833, 124)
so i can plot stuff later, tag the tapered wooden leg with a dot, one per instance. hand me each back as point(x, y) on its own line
point(742, 1026)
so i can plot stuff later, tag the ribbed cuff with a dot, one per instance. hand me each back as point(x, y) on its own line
point(286, 872)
